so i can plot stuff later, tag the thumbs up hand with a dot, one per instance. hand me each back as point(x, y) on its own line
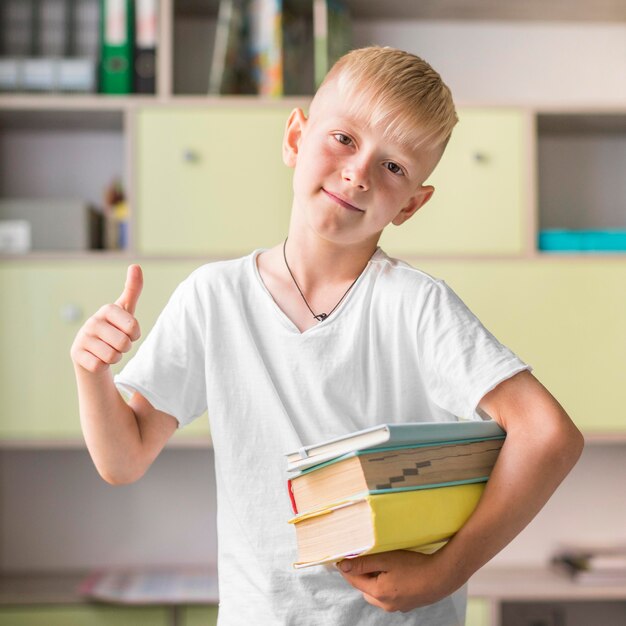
point(107, 335)
point(132, 289)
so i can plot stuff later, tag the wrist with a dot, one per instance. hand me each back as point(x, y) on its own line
point(456, 566)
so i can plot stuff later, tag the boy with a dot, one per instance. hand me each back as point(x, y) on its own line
point(318, 336)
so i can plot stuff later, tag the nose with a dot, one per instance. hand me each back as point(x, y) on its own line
point(357, 173)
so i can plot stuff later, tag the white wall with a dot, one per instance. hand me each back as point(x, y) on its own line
point(515, 63)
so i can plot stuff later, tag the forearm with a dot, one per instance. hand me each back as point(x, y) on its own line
point(532, 464)
point(541, 447)
point(109, 426)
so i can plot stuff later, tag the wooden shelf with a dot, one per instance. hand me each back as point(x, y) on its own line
point(40, 588)
point(536, 583)
point(491, 583)
point(185, 442)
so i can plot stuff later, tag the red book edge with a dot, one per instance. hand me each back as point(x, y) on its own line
point(291, 496)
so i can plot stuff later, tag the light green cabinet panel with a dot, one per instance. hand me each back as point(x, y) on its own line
point(198, 616)
point(563, 317)
point(84, 616)
point(480, 192)
point(44, 305)
point(211, 180)
point(477, 612)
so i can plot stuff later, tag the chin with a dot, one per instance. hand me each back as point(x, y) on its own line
point(344, 236)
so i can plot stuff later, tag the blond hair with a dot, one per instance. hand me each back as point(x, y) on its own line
point(397, 91)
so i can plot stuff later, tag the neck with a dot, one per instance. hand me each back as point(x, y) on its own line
point(318, 263)
point(321, 315)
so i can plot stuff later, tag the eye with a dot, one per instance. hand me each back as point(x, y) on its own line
point(342, 139)
point(394, 168)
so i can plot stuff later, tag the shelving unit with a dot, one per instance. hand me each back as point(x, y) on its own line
point(517, 169)
point(550, 143)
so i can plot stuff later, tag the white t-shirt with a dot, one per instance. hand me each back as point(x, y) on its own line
point(400, 347)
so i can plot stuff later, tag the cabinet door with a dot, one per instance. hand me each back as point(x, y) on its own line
point(477, 612)
point(211, 181)
point(480, 192)
point(563, 317)
point(84, 616)
point(198, 616)
point(43, 306)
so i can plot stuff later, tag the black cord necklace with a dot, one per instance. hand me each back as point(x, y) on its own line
point(320, 317)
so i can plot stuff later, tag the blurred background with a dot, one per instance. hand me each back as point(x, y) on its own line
point(150, 132)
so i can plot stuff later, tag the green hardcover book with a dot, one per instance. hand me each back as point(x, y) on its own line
point(117, 28)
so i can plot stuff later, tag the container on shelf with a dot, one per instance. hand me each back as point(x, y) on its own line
point(556, 240)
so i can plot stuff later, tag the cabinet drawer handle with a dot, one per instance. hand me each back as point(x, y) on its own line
point(191, 156)
point(480, 157)
point(71, 313)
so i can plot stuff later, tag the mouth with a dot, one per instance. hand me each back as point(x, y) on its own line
point(342, 202)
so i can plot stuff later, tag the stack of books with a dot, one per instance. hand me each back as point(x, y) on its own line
point(277, 47)
point(391, 487)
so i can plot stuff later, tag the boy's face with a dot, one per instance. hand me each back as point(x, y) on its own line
point(349, 180)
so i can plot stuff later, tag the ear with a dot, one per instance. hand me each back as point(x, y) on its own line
point(422, 196)
point(291, 139)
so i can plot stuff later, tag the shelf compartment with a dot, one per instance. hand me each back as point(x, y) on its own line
point(581, 183)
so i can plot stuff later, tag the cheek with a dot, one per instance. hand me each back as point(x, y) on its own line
point(310, 172)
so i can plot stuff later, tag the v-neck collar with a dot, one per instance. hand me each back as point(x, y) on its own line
point(285, 319)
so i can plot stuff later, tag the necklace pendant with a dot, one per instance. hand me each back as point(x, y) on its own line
point(321, 316)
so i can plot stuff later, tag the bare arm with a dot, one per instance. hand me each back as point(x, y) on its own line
point(541, 447)
point(123, 439)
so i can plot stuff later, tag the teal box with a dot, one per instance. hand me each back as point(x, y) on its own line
point(582, 240)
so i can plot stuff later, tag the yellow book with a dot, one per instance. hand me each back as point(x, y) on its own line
point(421, 520)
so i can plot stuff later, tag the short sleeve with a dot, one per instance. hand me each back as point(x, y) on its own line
point(460, 359)
point(169, 366)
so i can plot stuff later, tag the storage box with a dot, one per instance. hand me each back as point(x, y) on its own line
point(77, 75)
point(582, 240)
point(39, 74)
point(10, 72)
point(56, 224)
point(15, 236)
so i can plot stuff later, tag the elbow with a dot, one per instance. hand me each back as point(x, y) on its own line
point(577, 444)
point(119, 477)
point(116, 481)
point(569, 442)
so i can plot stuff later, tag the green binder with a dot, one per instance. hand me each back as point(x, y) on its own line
point(117, 28)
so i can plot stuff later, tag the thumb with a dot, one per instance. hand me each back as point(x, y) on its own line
point(132, 289)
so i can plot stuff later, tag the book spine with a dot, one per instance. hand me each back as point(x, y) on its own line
point(146, 33)
point(231, 71)
point(218, 60)
point(320, 40)
point(339, 31)
point(116, 46)
point(266, 43)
